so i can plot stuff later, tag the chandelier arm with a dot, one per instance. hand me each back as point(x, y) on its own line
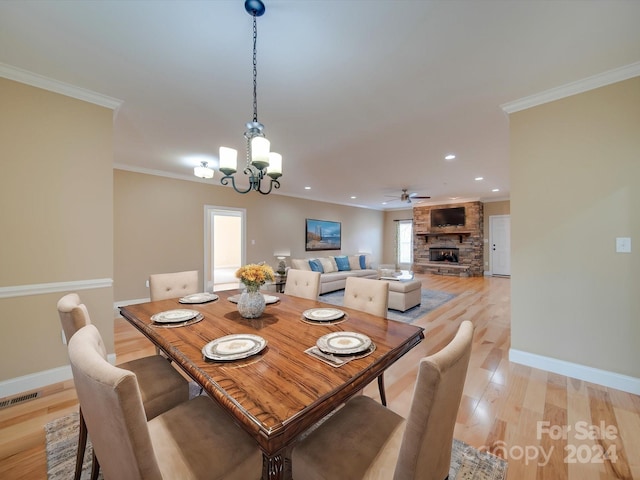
point(225, 181)
point(272, 184)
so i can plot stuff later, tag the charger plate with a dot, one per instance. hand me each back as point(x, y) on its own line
point(234, 347)
point(268, 299)
point(203, 297)
point(174, 316)
point(343, 343)
point(323, 314)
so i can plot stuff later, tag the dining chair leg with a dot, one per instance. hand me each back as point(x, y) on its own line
point(383, 396)
point(95, 467)
point(82, 445)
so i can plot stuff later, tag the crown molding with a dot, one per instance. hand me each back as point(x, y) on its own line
point(35, 80)
point(573, 88)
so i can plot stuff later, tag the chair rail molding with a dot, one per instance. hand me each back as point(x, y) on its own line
point(54, 287)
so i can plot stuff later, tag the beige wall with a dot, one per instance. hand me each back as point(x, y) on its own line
point(159, 227)
point(56, 220)
point(492, 208)
point(575, 182)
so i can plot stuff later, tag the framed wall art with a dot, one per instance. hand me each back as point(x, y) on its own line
point(322, 235)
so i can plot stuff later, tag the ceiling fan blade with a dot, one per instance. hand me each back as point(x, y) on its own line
point(419, 196)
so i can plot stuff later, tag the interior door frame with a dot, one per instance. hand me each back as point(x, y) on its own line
point(210, 211)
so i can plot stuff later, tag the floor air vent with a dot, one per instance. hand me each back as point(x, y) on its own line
point(8, 402)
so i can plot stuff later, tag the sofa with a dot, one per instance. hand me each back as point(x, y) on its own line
point(334, 270)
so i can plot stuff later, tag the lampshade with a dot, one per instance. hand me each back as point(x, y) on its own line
point(203, 171)
point(275, 165)
point(260, 152)
point(228, 160)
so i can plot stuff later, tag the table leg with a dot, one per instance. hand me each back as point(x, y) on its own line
point(273, 467)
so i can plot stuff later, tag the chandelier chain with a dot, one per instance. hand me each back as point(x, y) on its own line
point(255, 69)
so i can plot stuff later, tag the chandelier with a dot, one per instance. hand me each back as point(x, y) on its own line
point(261, 163)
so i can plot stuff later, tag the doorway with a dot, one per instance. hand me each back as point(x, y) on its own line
point(500, 245)
point(224, 246)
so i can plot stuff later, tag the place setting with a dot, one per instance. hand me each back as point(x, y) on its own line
point(339, 348)
point(234, 347)
point(268, 299)
point(196, 298)
point(176, 318)
point(324, 316)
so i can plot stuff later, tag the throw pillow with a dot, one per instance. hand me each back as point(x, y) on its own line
point(316, 266)
point(343, 263)
point(354, 262)
point(300, 264)
point(328, 265)
point(363, 262)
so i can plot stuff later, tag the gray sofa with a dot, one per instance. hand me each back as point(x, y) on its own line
point(334, 270)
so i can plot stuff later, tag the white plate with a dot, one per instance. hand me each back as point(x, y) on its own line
point(234, 347)
point(343, 343)
point(173, 316)
point(203, 297)
point(267, 298)
point(323, 314)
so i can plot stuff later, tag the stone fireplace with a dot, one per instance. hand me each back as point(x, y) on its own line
point(450, 249)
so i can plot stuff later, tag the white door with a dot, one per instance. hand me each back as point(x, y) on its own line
point(224, 246)
point(500, 244)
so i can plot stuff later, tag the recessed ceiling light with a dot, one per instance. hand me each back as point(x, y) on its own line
point(353, 197)
point(307, 188)
point(384, 203)
point(479, 178)
point(495, 190)
point(451, 156)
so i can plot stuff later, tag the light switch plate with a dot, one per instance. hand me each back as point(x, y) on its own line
point(623, 245)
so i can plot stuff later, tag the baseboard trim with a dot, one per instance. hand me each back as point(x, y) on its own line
point(54, 287)
point(34, 381)
point(618, 381)
point(117, 305)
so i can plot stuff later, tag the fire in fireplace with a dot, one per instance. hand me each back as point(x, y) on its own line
point(443, 255)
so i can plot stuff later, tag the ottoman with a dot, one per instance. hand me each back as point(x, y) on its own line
point(404, 295)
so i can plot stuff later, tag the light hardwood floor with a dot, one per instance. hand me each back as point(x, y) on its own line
point(514, 411)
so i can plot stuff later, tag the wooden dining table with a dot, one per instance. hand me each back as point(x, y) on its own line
point(280, 392)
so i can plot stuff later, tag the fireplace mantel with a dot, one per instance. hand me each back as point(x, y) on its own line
point(460, 235)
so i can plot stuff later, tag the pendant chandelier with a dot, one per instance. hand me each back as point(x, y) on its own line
point(261, 163)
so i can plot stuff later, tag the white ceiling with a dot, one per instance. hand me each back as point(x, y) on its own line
point(360, 97)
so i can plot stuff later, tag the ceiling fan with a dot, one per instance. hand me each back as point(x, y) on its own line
point(407, 197)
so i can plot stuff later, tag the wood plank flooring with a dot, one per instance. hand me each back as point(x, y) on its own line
point(514, 411)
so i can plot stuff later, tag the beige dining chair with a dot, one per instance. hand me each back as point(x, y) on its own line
point(194, 440)
point(173, 285)
point(302, 283)
point(161, 386)
point(386, 445)
point(370, 296)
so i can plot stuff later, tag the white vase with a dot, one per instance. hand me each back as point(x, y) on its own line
point(251, 304)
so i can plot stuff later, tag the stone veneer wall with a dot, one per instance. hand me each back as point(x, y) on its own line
point(468, 239)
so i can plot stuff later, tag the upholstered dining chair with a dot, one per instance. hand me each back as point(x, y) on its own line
point(194, 440)
point(302, 283)
point(161, 386)
point(172, 285)
point(370, 296)
point(364, 440)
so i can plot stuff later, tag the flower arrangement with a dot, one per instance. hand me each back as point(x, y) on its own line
point(255, 275)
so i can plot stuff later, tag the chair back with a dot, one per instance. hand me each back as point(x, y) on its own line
point(426, 446)
point(172, 285)
point(367, 295)
point(112, 408)
point(73, 314)
point(302, 283)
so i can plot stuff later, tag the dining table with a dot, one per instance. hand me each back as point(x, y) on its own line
point(286, 385)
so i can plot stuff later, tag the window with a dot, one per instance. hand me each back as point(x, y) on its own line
point(405, 241)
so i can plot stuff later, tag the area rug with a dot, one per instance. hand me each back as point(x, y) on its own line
point(430, 300)
point(467, 463)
